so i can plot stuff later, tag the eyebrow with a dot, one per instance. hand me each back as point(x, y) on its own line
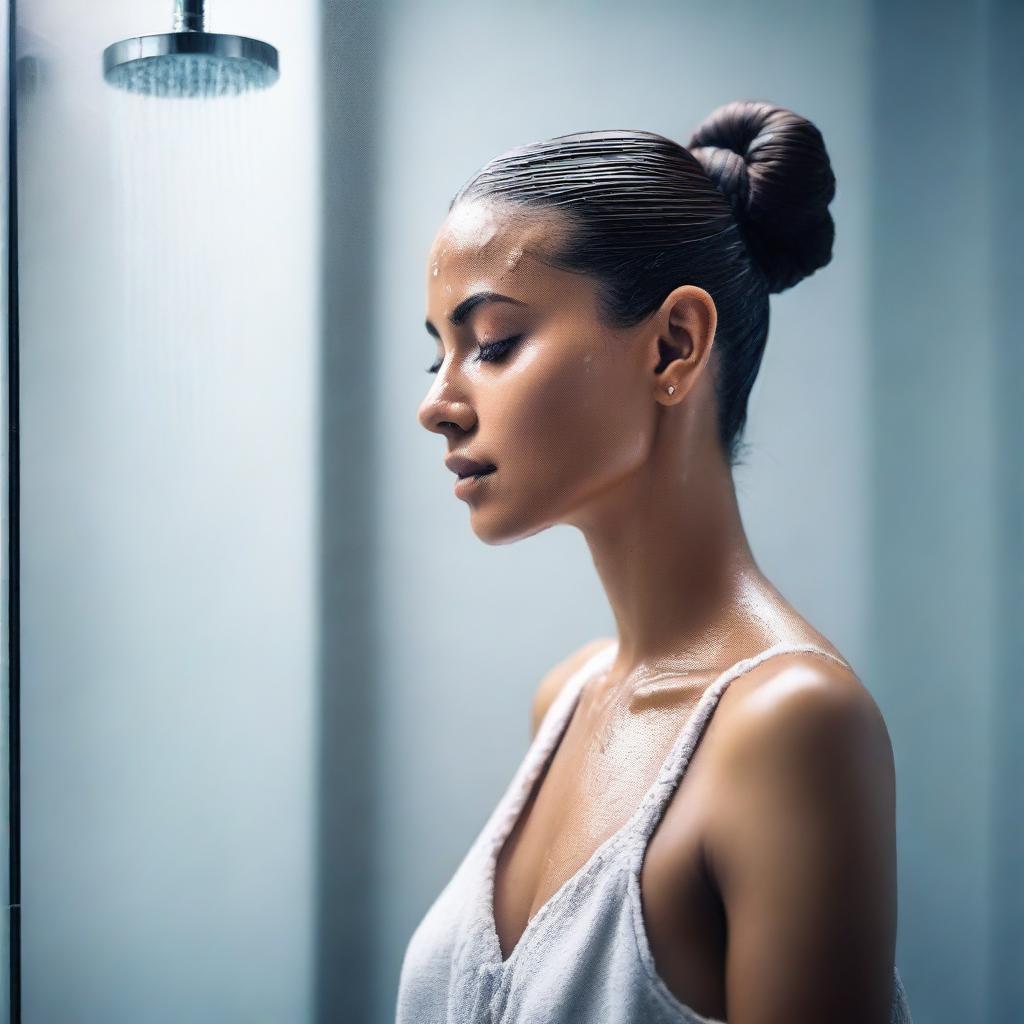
point(458, 315)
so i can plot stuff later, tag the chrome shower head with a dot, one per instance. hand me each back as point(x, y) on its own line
point(189, 61)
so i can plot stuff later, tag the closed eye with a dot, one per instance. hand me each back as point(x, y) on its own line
point(490, 353)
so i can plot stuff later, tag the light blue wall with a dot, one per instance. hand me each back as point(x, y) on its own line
point(1005, 30)
point(945, 422)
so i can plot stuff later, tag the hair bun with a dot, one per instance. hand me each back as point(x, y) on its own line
point(772, 166)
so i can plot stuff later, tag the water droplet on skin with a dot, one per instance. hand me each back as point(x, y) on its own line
point(475, 223)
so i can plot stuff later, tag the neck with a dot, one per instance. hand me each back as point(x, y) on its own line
point(669, 546)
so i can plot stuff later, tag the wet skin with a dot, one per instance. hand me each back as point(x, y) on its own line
point(769, 886)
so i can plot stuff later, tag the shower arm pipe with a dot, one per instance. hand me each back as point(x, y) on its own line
point(189, 15)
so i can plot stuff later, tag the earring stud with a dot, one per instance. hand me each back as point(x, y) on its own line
point(671, 389)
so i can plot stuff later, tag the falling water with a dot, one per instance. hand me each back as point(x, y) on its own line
point(192, 221)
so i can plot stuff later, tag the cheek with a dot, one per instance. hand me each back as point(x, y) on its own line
point(570, 428)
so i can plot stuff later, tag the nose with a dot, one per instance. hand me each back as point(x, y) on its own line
point(440, 414)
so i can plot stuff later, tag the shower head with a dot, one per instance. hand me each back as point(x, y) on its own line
point(189, 61)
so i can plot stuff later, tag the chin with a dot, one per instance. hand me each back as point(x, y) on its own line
point(497, 529)
point(494, 534)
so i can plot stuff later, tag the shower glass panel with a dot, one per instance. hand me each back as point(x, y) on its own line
point(8, 926)
point(168, 340)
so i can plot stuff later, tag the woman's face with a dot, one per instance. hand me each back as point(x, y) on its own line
point(565, 410)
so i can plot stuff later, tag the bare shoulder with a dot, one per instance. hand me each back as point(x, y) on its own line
point(801, 846)
point(555, 678)
point(798, 708)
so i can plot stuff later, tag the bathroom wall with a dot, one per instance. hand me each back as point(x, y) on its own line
point(945, 503)
point(169, 333)
point(1004, 32)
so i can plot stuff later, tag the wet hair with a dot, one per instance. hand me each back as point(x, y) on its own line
point(741, 211)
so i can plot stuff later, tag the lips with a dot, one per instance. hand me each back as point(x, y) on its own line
point(476, 476)
point(463, 467)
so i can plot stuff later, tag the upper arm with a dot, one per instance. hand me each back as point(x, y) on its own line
point(802, 848)
point(555, 678)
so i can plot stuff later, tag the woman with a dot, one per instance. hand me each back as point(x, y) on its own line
point(600, 304)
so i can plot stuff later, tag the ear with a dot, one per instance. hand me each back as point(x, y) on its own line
point(685, 325)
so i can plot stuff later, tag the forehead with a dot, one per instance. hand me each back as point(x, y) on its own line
point(481, 240)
